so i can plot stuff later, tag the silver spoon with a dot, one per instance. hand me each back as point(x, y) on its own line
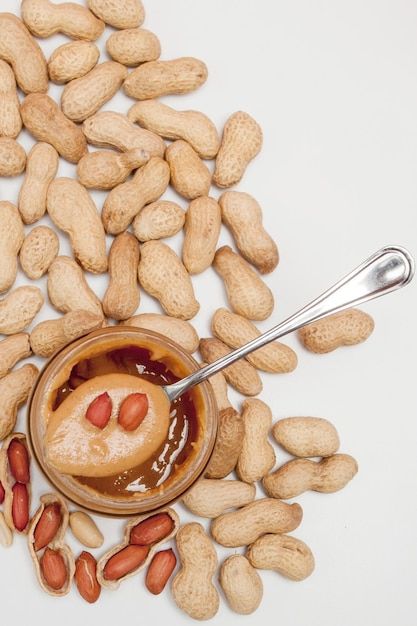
point(386, 270)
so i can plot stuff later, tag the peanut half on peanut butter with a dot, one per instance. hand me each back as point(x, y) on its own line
point(77, 445)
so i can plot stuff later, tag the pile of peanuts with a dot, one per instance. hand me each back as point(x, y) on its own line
point(141, 159)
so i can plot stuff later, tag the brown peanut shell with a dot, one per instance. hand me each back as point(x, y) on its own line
point(40, 247)
point(192, 126)
point(176, 329)
point(264, 515)
point(41, 167)
point(10, 120)
point(158, 220)
point(130, 13)
point(72, 60)
point(192, 586)
point(236, 330)
point(12, 157)
point(49, 336)
point(190, 176)
point(22, 51)
point(44, 119)
point(246, 291)
point(111, 129)
point(104, 169)
point(7, 480)
point(306, 436)
point(125, 201)
point(84, 96)
point(12, 350)
point(68, 289)
point(201, 233)
point(241, 374)
point(243, 216)
point(229, 441)
point(72, 210)
point(122, 295)
point(240, 143)
point(257, 455)
point(57, 543)
point(19, 308)
point(162, 274)
point(133, 46)
point(15, 389)
point(346, 328)
point(163, 77)
point(115, 584)
point(282, 553)
point(44, 19)
point(298, 475)
point(11, 238)
point(210, 497)
point(221, 390)
point(241, 584)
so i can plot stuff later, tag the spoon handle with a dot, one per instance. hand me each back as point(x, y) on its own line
point(386, 270)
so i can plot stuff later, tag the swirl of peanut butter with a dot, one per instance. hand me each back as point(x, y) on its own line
point(75, 446)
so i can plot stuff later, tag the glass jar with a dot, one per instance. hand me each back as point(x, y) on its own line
point(173, 467)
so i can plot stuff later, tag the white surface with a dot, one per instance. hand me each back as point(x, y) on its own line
point(333, 87)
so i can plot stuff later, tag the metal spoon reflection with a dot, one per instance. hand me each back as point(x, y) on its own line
point(386, 270)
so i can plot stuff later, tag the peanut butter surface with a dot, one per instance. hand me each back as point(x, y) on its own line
point(74, 446)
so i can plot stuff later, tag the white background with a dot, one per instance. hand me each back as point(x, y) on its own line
point(333, 86)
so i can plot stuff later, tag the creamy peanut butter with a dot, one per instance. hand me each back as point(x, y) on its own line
point(74, 446)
